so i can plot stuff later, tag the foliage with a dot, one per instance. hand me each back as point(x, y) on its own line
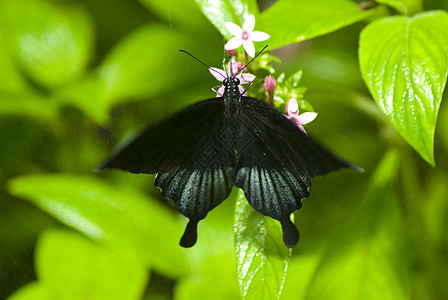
point(80, 78)
point(404, 61)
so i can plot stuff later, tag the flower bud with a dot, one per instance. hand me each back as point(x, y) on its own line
point(232, 52)
point(239, 66)
point(269, 85)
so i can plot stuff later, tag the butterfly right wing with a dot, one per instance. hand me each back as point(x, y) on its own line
point(289, 145)
point(275, 161)
point(270, 187)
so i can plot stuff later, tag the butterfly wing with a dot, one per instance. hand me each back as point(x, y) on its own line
point(170, 142)
point(193, 154)
point(288, 144)
point(275, 161)
point(204, 180)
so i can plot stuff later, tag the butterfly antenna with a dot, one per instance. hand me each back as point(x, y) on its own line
point(224, 64)
point(231, 69)
point(186, 52)
point(251, 60)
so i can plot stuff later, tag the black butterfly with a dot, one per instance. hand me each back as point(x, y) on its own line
point(201, 152)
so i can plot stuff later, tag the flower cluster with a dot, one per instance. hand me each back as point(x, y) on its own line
point(245, 36)
point(292, 107)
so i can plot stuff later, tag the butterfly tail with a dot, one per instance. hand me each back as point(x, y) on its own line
point(190, 235)
point(290, 232)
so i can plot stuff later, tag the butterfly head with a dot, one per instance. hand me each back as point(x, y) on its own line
point(231, 86)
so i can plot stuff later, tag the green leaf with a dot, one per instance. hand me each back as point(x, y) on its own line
point(179, 13)
point(213, 275)
point(370, 258)
point(220, 11)
point(406, 7)
point(113, 215)
point(89, 96)
point(262, 258)
point(11, 81)
point(145, 63)
point(300, 272)
point(34, 106)
point(34, 290)
point(70, 266)
point(292, 21)
point(404, 62)
point(51, 44)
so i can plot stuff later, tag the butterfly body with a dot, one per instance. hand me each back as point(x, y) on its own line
point(204, 150)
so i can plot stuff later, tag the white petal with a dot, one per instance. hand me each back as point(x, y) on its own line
point(258, 36)
point(292, 107)
point(249, 48)
point(233, 28)
point(301, 128)
point(221, 91)
point(232, 66)
point(249, 23)
point(218, 73)
point(246, 78)
point(233, 43)
point(307, 117)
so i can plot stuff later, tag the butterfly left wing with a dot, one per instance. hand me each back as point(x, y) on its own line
point(275, 161)
point(204, 180)
point(170, 142)
point(193, 154)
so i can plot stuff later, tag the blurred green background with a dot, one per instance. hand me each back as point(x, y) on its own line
point(80, 78)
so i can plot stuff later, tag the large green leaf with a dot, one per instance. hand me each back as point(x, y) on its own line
point(426, 210)
point(404, 62)
point(70, 266)
point(213, 273)
point(51, 44)
point(88, 95)
point(11, 81)
point(113, 215)
point(146, 63)
point(292, 21)
point(406, 7)
point(73, 266)
point(38, 107)
point(179, 13)
point(262, 258)
point(370, 258)
point(220, 11)
point(300, 272)
point(34, 290)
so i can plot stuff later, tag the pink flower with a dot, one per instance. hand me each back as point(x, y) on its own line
point(292, 108)
point(236, 67)
point(245, 36)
